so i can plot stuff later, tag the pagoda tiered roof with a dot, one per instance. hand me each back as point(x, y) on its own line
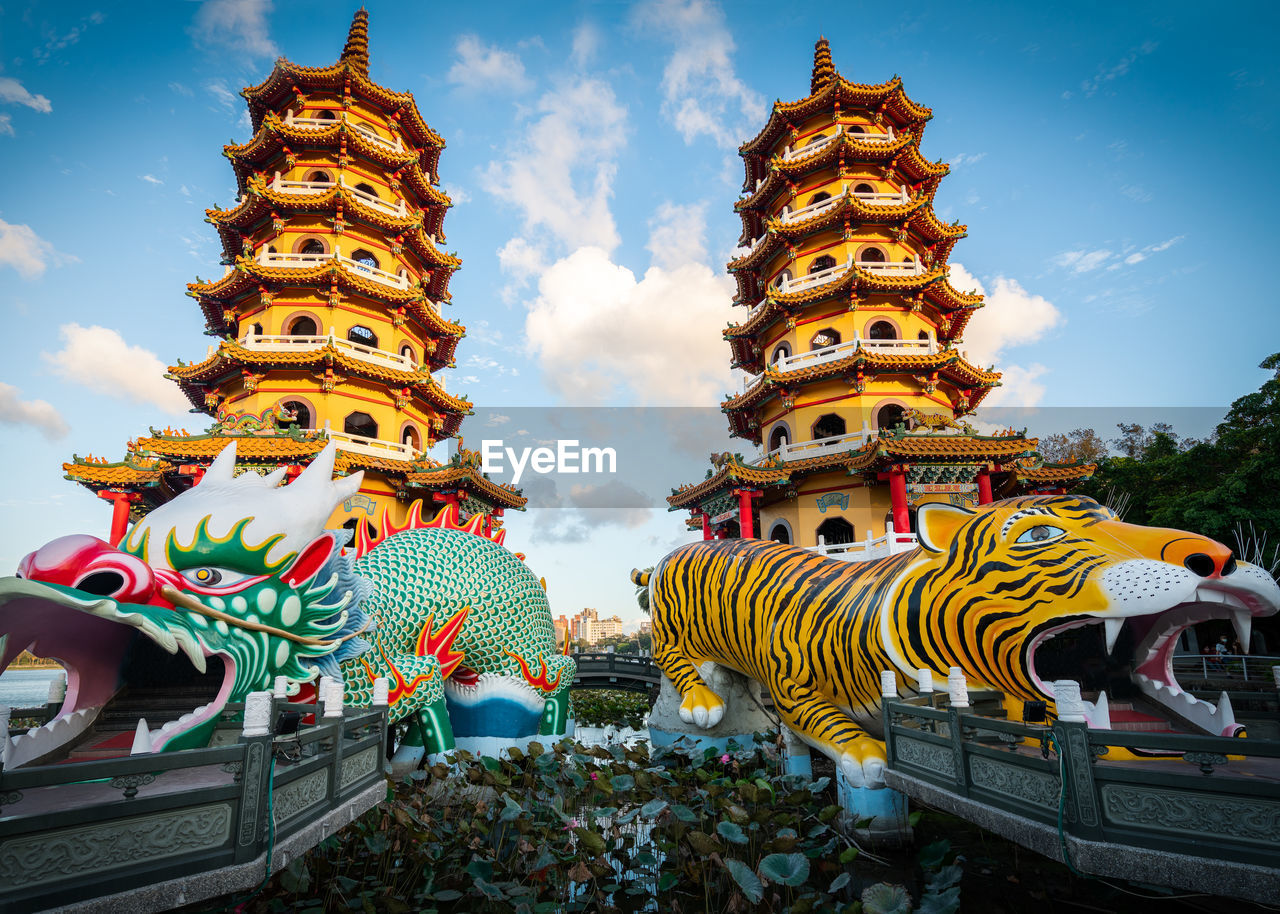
point(887, 98)
point(1012, 453)
point(262, 203)
point(164, 463)
point(249, 273)
point(274, 135)
point(349, 74)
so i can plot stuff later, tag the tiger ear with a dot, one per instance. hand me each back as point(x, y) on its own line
point(936, 525)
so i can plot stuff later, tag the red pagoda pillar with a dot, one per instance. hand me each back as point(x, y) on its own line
point(746, 518)
point(984, 487)
point(706, 525)
point(120, 502)
point(898, 498)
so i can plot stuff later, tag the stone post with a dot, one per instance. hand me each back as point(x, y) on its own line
point(1066, 695)
point(282, 688)
point(888, 684)
point(381, 691)
point(957, 688)
point(333, 700)
point(795, 754)
point(924, 680)
point(257, 714)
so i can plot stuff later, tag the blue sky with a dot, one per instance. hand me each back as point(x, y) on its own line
point(1114, 169)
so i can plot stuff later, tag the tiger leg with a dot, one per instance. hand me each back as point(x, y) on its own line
point(698, 704)
point(825, 727)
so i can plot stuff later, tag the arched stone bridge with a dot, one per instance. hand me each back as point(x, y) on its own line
point(602, 670)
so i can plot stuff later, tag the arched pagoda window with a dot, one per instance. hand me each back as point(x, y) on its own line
point(302, 415)
point(411, 438)
point(367, 188)
point(363, 335)
point(816, 138)
point(828, 336)
point(828, 426)
point(312, 247)
point(825, 262)
point(327, 115)
point(872, 255)
point(320, 177)
point(856, 128)
point(780, 534)
point(780, 281)
point(256, 329)
point(883, 330)
point(778, 437)
point(863, 189)
point(819, 197)
point(365, 258)
point(922, 335)
point(781, 351)
point(360, 424)
point(889, 417)
point(406, 351)
point(302, 326)
point(836, 531)
point(354, 523)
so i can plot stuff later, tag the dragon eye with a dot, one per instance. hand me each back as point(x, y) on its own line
point(1040, 533)
point(204, 576)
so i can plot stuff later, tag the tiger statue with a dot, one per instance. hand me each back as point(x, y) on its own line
point(984, 591)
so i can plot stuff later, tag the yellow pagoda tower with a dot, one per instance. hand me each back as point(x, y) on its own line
point(851, 342)
point(330, 309)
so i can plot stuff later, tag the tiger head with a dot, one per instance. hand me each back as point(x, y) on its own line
point(1026, 591)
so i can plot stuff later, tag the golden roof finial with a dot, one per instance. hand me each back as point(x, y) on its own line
point(356, 50)
point(823, 70)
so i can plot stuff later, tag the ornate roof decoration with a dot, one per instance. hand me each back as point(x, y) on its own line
point(356, 50)
point(824, 70)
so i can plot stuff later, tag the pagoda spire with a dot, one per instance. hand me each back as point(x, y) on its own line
point(356, 50)
point(823, 70)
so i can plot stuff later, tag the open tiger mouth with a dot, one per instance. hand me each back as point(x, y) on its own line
point(119, 658)
point(1123, 657)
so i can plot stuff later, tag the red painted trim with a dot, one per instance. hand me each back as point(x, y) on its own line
point(852, 485)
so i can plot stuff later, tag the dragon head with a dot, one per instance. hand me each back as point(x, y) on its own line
point(211, 596)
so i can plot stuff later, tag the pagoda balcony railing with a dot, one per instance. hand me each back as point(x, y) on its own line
point(371, 447)
point(282, 186)
point(892, 267)
point(790, 154)
point(822, 277)
point(307, 261)
point(325, 123)
point(746, 250)
point(873, 198)
point(267, 343)
point(821, 447)
point(891, 543)
point(838, 351)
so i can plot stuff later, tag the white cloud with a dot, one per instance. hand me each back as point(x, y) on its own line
point(57, 42)
point(1106, 74)
point(221, 94)
point(586, 42)
point(99, 358)
point(702, 94)
point(486, 67)
point(1082, 261)
point(13, 92)
point(963, 158)
point(600, 333)
point(150, 179)
point(38, 414)
point(181, 89)
point(560, 174)
point(6, 125)
point(676, 235)
point(1018, 387)
point(1012, 316)
point(235, 25)
point(25, 251)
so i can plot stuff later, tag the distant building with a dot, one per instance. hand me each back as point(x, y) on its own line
point(589, 627)
point(562, 629)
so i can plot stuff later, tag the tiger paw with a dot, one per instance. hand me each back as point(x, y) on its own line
point(863, 767)
point(701, 706)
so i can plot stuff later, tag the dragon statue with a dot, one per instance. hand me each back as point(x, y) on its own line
point(236, 582)
point(1017, 594)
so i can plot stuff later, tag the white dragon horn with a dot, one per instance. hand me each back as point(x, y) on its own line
point(319, 473)
point(223, 468)
point(272, 479)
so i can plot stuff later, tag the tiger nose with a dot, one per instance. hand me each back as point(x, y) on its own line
point(1202, 556)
